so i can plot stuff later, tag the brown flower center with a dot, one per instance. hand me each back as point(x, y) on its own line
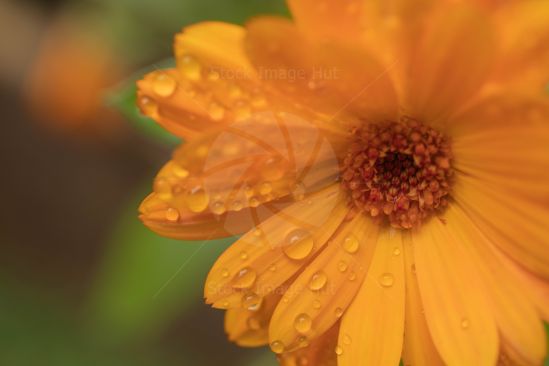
point(400, 170)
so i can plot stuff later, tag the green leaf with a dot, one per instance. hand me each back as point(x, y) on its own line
point(146, 280)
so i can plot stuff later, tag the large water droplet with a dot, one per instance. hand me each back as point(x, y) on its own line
point(303, 323)
point(351, 244)
point(245, 278)
point(277, 347)
point(251, 301)
point(299, 244)
point(318, 281)
point(190, 68)
point(197, 199)
point(386, 280)
point(164, 85)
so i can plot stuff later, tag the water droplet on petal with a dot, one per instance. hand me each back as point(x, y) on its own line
point(190, 68)
point(237, 205)
point(253, 323)
point(338, 312)
point(318, 281)
point(273, 169)
point(251, 301)
point(243, 255)
point(148, 106)
point(339, 350)
point(299, 244)
point(277, 347)
point(352, 276)
point(164, 85)
point(225, 272)
point(254, 202)
point(218, 208)
point(265, 188)
point(303, 323)
point(216, 111)
point(465, 323)
point(342, 266)
point(179, 171)
point(258, 233)
point(351, 244)
point(245, 278)
point(396, 252)
point(347, 339)
point(197, 199)
point(272, 268)
point(172, 214)
point(386, 280)
point(298, 193)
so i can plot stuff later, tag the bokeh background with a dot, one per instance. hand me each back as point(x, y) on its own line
point(82, 282)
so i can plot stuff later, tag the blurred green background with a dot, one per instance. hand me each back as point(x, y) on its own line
point(82, 282)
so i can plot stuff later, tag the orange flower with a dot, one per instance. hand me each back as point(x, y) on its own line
point(388, 166)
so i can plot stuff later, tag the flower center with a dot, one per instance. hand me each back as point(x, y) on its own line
point(400, 170)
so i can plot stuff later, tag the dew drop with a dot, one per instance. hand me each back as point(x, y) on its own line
point(148, 106)
point(303, 323)
point(225, 272)
point(342, 266)
point(218, 208)
point(277, 347)
point(179, 171)
point(197, 199)
point(298, 193)
point(243, 255)
point(272, 268)
point(254, 202)
point(265, 188)
point(216, 111)
point(317, 304)
point(347, 339)
point(339, 350)
point(465, 323)
point(245, 278)
point(258, 233)
point(396, 252)
point(338, 312)
point(386, 280)
point(351, 244)
point(251, 301)
point(318, 281)
point(163, 189)
point(237, 205)
point(303, 342)
point(253, 323)
point(191, 68)
point(352, 276)
point(164, 85)
point(172, 214)
point(273, 169)
point(298, 244)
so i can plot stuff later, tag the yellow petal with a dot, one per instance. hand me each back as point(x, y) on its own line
point(334, 79)
point(319, 296)
point(518, 321)
point(330, 19)
point(372, 329)
point(319, 352)
point(523, 28)
point(458, 313)
point(265, 258)
point(418, 343)
point(451, 62)
point(248, 327)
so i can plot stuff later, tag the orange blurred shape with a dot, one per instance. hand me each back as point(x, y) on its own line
point(66, 82)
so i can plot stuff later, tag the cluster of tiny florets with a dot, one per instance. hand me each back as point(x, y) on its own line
point(401, 170)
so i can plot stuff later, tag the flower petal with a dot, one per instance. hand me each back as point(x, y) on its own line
point(500, 147)
point(458, 313)
point(248, 328)
point(319, 352)
point(519, 324)
point(220, 184)
point(276, 250)
point(213, 84)
point(331, 19)
point(418, 343)
point(451, 62)
point(327, 286)
point(523, 27)
point(372, 329)
point(330, 78)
